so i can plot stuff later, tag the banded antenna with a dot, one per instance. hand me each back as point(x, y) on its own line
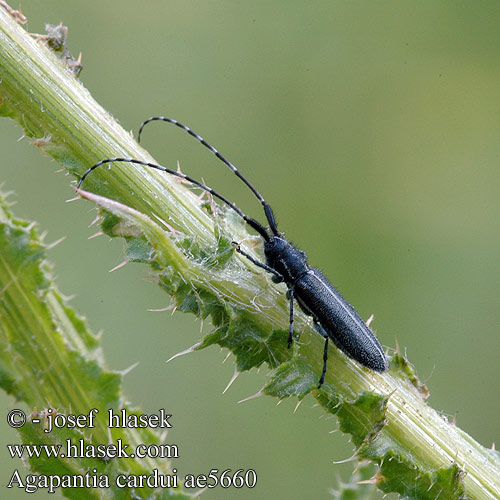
point(267, 208)
point(249, 220)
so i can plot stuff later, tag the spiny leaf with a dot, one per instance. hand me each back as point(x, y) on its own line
point(48, 356)
point(361, 485)
point(397, 474)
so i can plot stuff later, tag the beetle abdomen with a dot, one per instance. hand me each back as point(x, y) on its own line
point(317, 297)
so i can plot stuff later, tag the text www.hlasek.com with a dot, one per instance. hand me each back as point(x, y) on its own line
point(86, 450)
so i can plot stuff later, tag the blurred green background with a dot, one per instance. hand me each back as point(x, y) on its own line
point(372, 128)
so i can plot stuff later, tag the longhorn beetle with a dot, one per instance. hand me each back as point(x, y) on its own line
point(333, 317)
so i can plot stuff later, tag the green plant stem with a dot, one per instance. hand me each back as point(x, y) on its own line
point(420, 453)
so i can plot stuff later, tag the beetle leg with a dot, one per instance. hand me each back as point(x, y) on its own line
point(289, 295)
point(323, 333)
point(277, 277)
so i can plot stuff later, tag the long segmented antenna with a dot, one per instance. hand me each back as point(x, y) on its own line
point(267, 208)
point(251, 222)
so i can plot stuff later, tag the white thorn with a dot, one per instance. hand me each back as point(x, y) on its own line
point(95, 235)
point(227, 356)
point(74, 199)
point(213, 206)
point(162, 309)
point(189, 350)
point(297, 405)
point(350, 459)
point(120, 265)
point(369, 320)
point(95, 221)
point(256, 395)
point(129, 369)
point(166, 224)
point(233, 378)
point(373, 480)
point(55, 243)
point(67, 298)
point(358, 465)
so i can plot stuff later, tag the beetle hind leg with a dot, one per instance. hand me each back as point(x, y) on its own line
point(289, 296)
point(323, 333)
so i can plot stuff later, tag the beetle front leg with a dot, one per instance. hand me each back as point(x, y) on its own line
point(277, 277)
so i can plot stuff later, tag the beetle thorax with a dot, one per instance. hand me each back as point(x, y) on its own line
point(288, 260)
